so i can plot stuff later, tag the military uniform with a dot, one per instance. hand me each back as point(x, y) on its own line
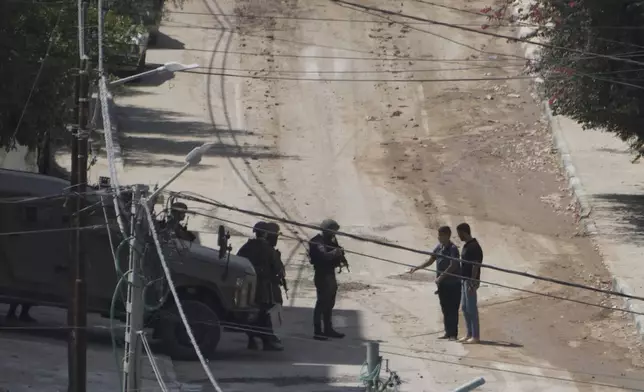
point(326, 255)
point(262, 256)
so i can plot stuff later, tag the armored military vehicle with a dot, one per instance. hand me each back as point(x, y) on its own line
point(215, 287)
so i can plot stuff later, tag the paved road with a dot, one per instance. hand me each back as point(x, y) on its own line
point(35, 356)
point(314, 115)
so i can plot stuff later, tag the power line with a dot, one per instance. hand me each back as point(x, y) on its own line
point(344, 345)
point(488, 33)
point(43, 231)
point(173, 290)
point(369, 21)
point(576, 72)
point(371, 71)
point(194, 197)
point(541, 294)
point(483, 79)
point(36, 79)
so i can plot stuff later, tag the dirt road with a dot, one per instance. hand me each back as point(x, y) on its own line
point(324, 111)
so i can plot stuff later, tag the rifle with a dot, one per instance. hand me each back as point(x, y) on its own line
point(344, 263)
point(285, 285)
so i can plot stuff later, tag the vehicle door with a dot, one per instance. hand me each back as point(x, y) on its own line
point(37, 245)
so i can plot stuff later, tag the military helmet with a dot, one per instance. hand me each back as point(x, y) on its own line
point(260, 228)
point(179, 206)
point(329, 225)
point(272, 228)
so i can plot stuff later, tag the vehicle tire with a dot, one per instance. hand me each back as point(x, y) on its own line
point(205, 326)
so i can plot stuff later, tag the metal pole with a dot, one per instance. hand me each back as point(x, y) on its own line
point(373, 360)
point(470, 386)
point(135, 306)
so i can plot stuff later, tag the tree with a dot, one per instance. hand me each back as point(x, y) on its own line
point(26, 29)
point(598, 92)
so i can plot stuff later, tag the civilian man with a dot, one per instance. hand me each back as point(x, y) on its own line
point(472, 257)
point(447, 280)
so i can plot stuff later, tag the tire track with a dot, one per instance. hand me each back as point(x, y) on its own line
point(227, 28)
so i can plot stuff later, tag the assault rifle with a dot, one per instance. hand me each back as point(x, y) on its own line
point(284, 284)
point(344, 263)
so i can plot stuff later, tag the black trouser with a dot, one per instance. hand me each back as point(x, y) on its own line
point(263, 327)
point(449, 295)
point(326, 288)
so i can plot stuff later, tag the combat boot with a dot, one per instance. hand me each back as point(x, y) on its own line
point(332, 333)
point(319, 335)
point(273, 345)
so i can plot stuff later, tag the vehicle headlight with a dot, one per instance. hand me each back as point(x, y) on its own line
point(241, 292)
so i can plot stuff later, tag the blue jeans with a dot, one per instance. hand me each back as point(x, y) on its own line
point(470, 310)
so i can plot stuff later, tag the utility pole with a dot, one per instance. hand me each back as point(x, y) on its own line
point(71, 321)
point(135, 303)
point(77, 313)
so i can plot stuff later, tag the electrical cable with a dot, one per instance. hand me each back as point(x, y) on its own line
point(370, 21)
point(576, 72)
point(438, 80)
point(12, 140)
point(92, 227)
point(488, 33)
point(168, 276)
point(537, 293)
point(153, 362)
point(406, 248)
point(460, 362)
point(29, 199)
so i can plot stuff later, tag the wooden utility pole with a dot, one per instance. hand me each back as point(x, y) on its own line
point(71, 321)
point(77, 312)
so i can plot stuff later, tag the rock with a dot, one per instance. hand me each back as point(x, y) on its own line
point(397, 113)
point(514, 96)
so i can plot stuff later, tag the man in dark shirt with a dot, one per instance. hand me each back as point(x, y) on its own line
point(447, 280)
point(326, 255)
point(472, 257)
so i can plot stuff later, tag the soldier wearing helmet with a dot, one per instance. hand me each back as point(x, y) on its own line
point(326, 255)
point(261, 254)
point(177, 215)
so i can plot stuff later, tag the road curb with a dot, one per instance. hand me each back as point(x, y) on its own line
point(585, 220)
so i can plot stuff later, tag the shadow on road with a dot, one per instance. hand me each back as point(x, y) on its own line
point(304, 362)
point(165, 42)
point(149, 136)
point(628, 214)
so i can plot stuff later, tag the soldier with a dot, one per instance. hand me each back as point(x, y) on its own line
point(260, 253)
point(278, 272)
point(326, 255)
point(177, 215)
